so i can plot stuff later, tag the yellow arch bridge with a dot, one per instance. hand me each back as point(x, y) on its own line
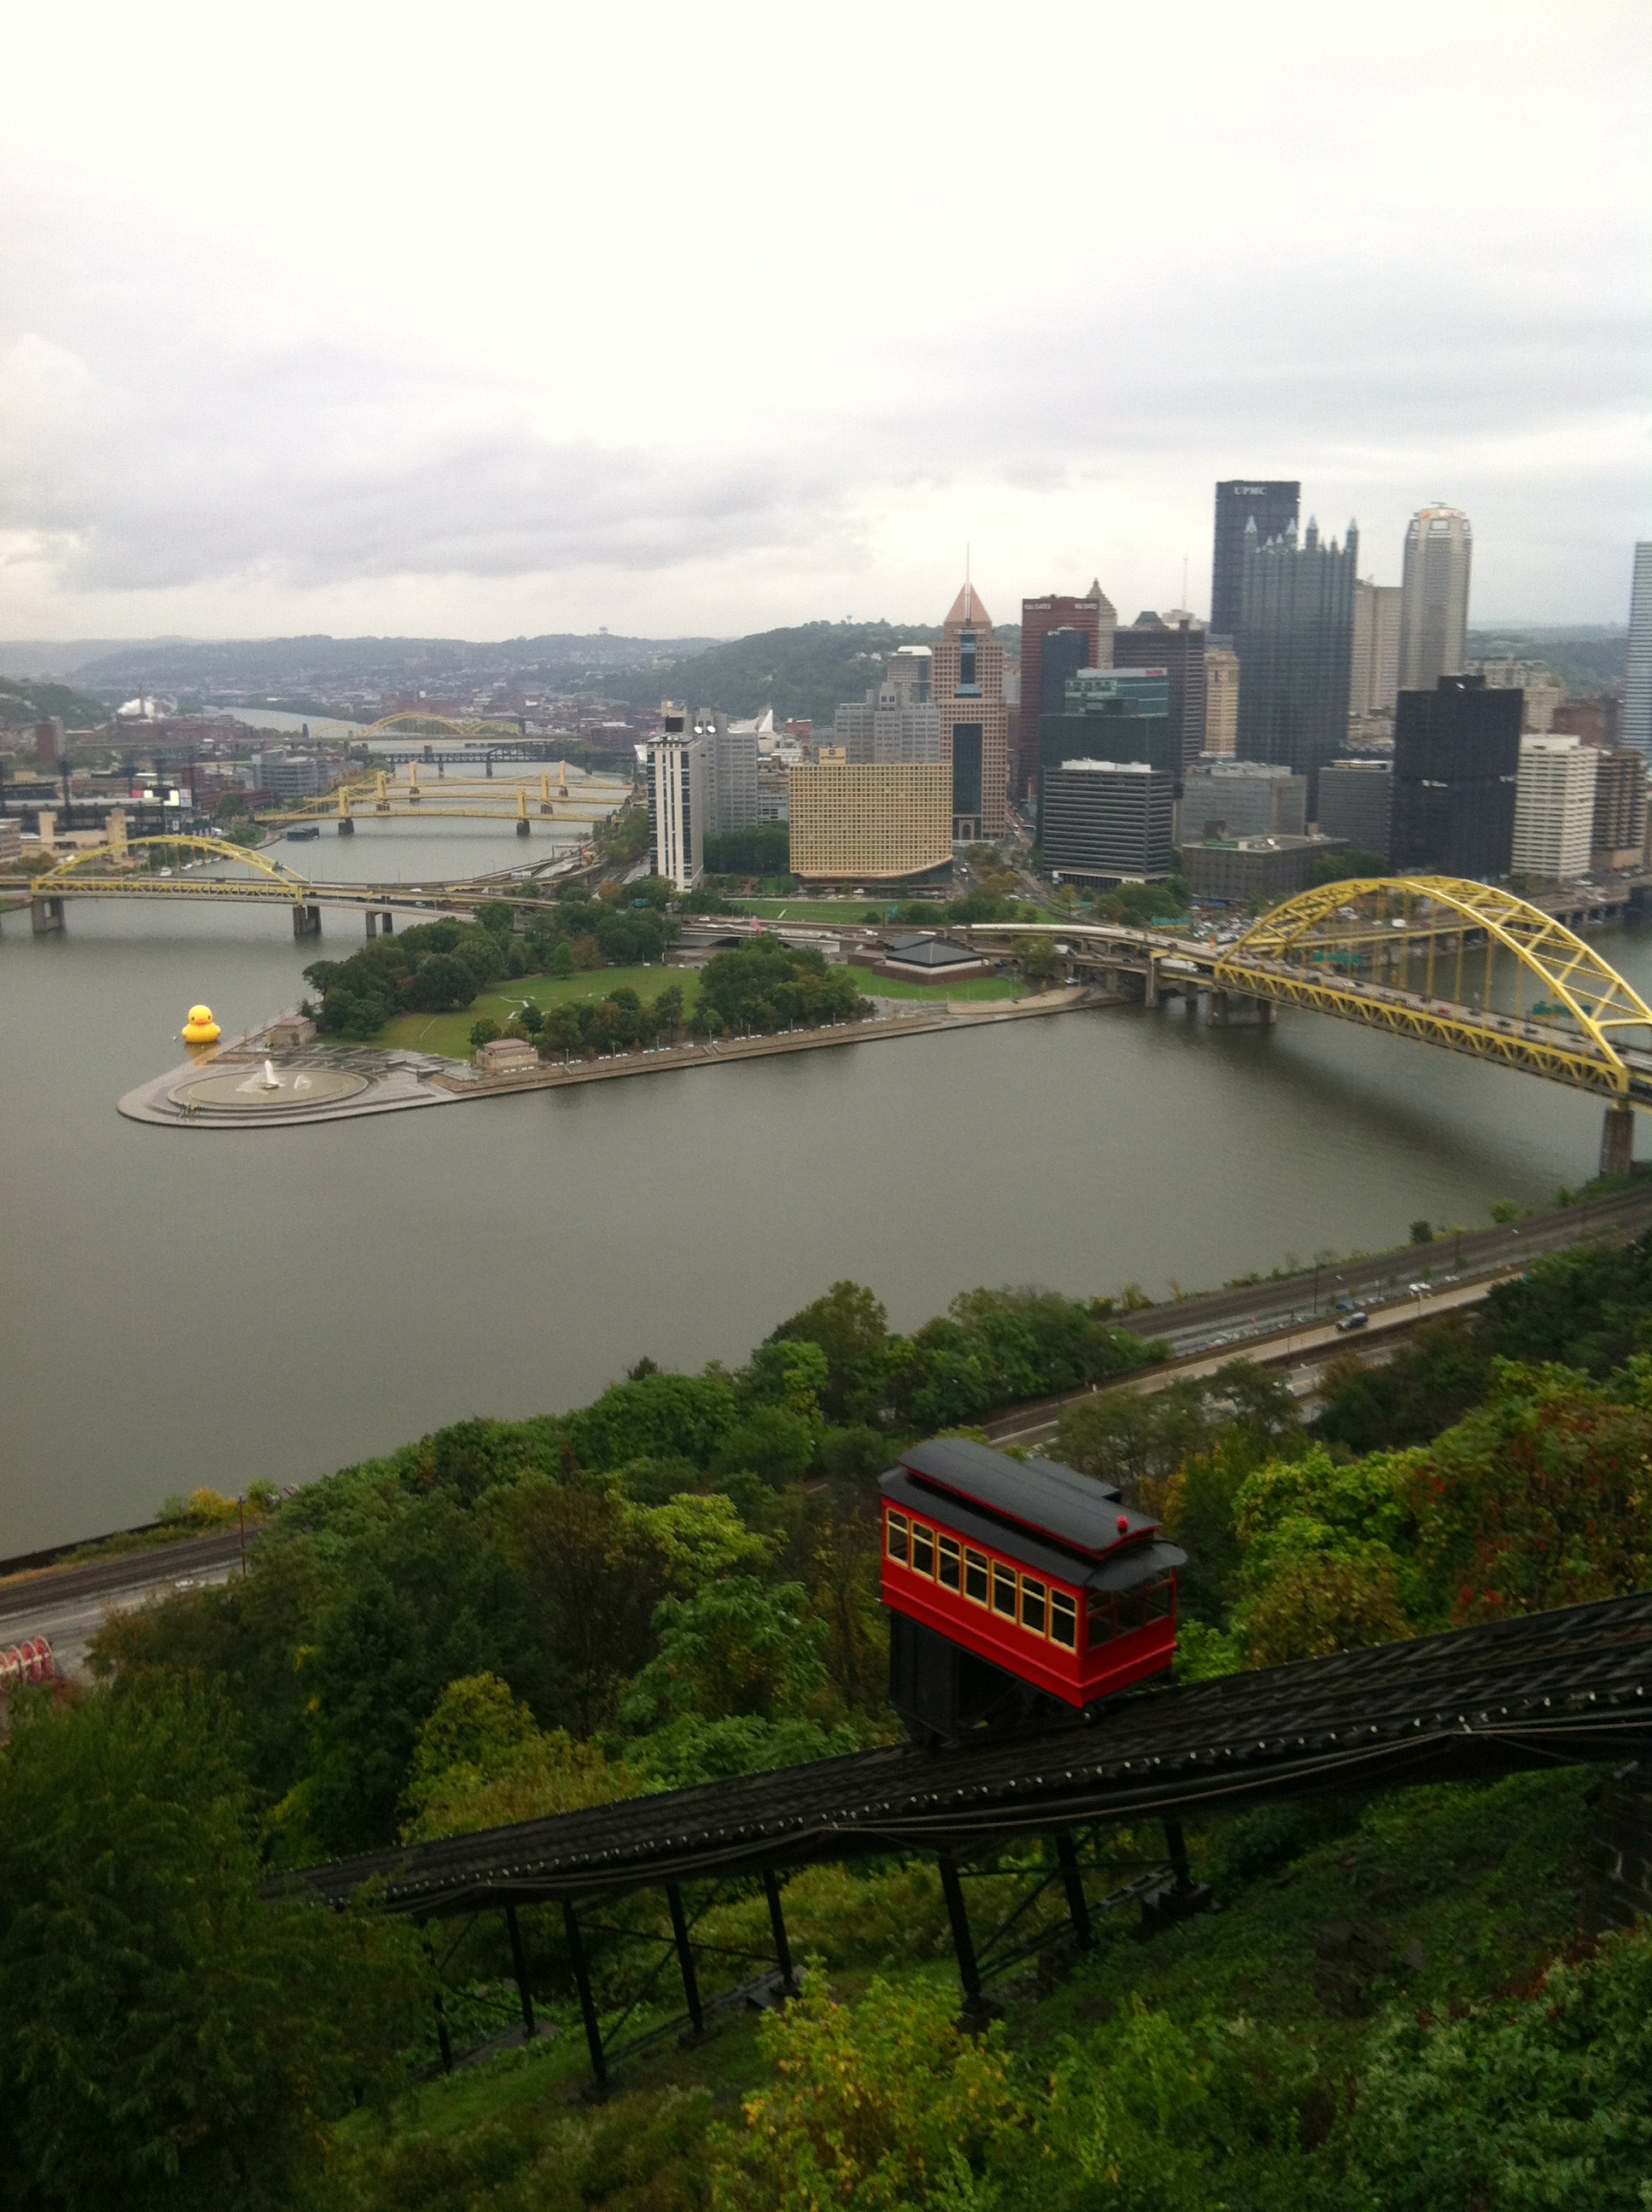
point(1463, 965)
point(129, 868)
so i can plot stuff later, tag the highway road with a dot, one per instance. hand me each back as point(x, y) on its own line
point(68, 1605)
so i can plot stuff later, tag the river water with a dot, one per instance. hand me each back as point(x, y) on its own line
point(185, 1307)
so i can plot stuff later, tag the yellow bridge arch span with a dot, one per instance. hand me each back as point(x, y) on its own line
point(1293, 953)
point(488, 725)
point(77, 873)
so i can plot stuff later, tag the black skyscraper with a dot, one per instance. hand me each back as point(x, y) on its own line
point(1273, 508)
point(1150, 642)
point(1296, 643)
point(1456, 757)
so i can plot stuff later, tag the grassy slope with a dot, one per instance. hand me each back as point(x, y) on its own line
point(451, 1033)
point(1325, 1914)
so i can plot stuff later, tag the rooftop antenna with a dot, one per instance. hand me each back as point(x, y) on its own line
point(1182, 601)
point(969, 588)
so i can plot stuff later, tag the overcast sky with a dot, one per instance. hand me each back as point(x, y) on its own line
point(496, 319)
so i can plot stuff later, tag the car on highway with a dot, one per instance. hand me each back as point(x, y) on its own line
point(1351, 1320)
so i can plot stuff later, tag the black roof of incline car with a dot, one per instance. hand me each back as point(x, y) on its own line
point(1036, 1495)
point(1131, 1563)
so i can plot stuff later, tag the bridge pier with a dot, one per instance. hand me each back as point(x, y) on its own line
point(1150, 995)
point(1217, 1013)
point(307, 922)
point(346, 827)
point(46, 916)
point(524, 827)
point(1618, 1141)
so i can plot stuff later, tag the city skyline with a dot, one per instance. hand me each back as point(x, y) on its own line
point(260, 373)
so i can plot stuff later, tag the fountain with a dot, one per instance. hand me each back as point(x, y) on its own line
point(271, 1080)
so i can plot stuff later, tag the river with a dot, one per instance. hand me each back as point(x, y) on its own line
point(179, 1308)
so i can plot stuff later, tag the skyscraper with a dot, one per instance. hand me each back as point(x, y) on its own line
point(1636, 728)
point(675, 757)
point(1116, 714)
point(967, 686)
point(1221, 699)
point(1295, 647)
point(1374, 680)
point(1434, 597)
point(1040, 619)
point(1178, 647)
point(1457, 761)
point(1554, 808)
point(1273, 508)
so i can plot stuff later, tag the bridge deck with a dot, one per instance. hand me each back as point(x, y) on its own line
point(1557, 1688)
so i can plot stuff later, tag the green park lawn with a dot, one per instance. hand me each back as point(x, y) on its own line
point(980, 987)
point(450, 1034)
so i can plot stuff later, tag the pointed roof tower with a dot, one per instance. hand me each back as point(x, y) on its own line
point(1101, 600)
point(968, 612)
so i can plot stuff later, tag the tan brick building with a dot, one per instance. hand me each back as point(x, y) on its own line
point(865, 822)
point(967, 684)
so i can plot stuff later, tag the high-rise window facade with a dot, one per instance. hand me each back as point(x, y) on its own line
point(967, 684)
point(1434, 597)
point(1107, 820)
point(1178, 647)
point(1296, 648)
point(1636, 725)
point(1554, 809)
point(1273, 507)
point(1108, 714)
point(1093, 618)
point(1374, 678)
point(1456, 760)
point(675, 758)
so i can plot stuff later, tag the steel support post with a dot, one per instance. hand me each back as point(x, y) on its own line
point(1072, 1883)
point(444, 2041)
point(588, 2003)
point(777, 1923)
point(1176, 1844)
point(685, 1961)
point(962, 1941)
point(519, 1960)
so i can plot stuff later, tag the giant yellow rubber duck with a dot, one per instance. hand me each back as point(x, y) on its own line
point(200, 1028)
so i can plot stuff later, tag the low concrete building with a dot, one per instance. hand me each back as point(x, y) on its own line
point(1233, 871)
point(291, 1030)
point(505, 1056)
point(1246, 798)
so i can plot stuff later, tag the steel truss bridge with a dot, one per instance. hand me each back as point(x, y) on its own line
point(113, 871)
point(470, 798)
point(1463, 965)
point(1570, 1686)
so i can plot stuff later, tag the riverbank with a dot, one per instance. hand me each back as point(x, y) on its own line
point(247, 1087)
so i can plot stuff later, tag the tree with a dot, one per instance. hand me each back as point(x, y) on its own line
point(1040, 962)
point(168, 2037)
point(1422, 1231)
point(737, 1648)
point(484, 1032)
point(1344, 867)
point(851, 1326)
point(886, 2106)
point(480, 1762)
point(562, 960)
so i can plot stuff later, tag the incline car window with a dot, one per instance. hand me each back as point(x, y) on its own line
point(923, 1549)
point(1032, 1605)
point(975, 1575)
point(897, 1536)
point(1004, 1590)
point(1064, 1619)
point(946, 1572)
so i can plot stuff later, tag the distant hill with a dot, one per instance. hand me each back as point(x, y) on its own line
point(1585, 659)
point(282, 666)
point(23, 703)
point(801, 672)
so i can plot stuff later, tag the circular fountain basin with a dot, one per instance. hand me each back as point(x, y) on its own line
point(248, 1091)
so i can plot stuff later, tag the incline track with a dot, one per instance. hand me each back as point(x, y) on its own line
point(1556, 1688)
